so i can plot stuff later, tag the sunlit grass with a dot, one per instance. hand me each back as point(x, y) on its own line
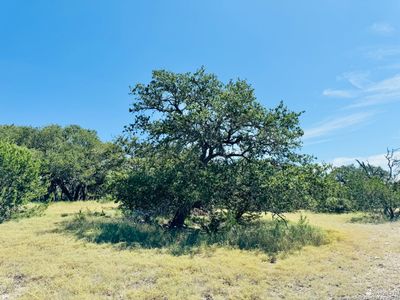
point(39, 260)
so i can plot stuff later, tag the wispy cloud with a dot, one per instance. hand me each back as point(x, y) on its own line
point(337, 93)
point(366, 92)
point(382, 28)
point(377, 160)
point(387, 90)
point(311, 142)
point(392, 66)
point(358, 79)
point(332, 125)
point(381, 52)
point(363, 89)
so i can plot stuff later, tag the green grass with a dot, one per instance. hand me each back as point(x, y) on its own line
point(42, 259)
point(30, 210)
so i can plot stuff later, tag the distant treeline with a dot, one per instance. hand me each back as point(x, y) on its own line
point(74, 162)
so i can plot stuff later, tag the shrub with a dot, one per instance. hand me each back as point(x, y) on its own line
point(19, 178)
point(336, 205)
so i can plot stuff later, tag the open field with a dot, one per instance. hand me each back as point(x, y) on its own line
point(38, 260)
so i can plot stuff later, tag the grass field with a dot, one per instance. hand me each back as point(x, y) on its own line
point(39, 260)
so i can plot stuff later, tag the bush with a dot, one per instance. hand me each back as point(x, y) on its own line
point(336, 205)
point(273, 237)
point(19, 178)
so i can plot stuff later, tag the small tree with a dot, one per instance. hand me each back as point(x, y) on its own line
point(381, 190)
point(369, 188)
point(380, 196)
point(19, 178)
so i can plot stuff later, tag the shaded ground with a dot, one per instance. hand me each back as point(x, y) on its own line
point(268, 236)
point(39, 261)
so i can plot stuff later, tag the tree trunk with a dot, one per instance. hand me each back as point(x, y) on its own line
point(391, 213)
point(179, 218)
point(65, 191)
point(239, 214)
point(77, 192)
point(52, 189)
point(84, 188)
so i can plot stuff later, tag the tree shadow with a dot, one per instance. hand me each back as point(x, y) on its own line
point(126, 234)
point(269, 237)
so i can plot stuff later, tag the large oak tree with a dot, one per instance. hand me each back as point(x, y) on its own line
point(204, 124)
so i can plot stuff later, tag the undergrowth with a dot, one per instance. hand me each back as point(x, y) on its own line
point(372, 218)
point(270, 237)
point(29, 211)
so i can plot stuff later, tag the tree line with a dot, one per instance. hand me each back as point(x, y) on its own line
point(198, 151)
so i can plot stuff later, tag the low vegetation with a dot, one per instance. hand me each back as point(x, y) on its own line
point(271, 237)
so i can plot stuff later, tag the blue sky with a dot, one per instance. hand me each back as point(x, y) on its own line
point(71, 62)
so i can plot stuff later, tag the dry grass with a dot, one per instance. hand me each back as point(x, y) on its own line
point(38, 261)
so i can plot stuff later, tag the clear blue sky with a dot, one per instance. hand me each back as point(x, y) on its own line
point(71, 62)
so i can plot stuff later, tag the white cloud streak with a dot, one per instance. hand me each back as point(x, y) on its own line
point(358, 79)
point(382, 28)
point(377, 160)
point(381, 53)
point(384, 91)
point(366, 92)
point(332, 125)
point(337, 93)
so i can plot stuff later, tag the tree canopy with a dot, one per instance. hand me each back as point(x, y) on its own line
point(199, 113)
